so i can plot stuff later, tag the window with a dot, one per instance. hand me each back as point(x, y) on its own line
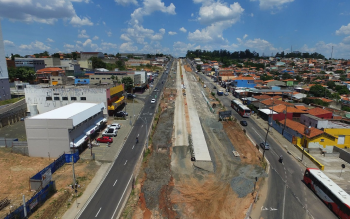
point(73, 98)
point(322, 140)
point(48, 98)
point(64, 98)
point(82, 98)
point(103, 78)
point(56, 98)
point(92, 78)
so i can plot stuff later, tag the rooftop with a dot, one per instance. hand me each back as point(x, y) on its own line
point(318, 111)
point(337, 125)
point(78, 112)
point(300, 128)
point(315, 117)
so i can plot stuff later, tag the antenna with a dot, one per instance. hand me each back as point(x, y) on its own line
point(332, 53)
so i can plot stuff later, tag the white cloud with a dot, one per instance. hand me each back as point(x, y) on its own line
point(9, 43)
point(109, 33)
point(343, 30)
point(172, 33)
point(182, 29)
point(126, 2)
point(218, 16)
point(128, 47)
point(272, 4)
point(86, 1)
point(124, 37)
point(68, 46)
point(77, 21)
point(104, 23)
point(180, 48)
point(95, 38)
point(150, 6)
point(35, 46)
point(162, 31)
point(346, 40)
point(88, 44)
point(50, 40)
point(258, 45)
point(192, 15)
point(252, 15)
point(106, 46)
point(218, 11)
point(82, 34)
point(139, 33)
point(245, 36)
point(41, 11)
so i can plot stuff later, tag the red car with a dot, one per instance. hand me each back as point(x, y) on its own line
point(105, 139)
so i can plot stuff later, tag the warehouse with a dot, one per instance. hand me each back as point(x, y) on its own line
point(64, 129)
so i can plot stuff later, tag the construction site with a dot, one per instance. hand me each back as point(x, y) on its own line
point(197, 166)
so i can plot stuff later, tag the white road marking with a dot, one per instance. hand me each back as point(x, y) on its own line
point(138, 135)
point(141, 126)
point(115, 182)
point(125, 162)
point(133, 147)
point(284, 201)
point(257, 133)
point(98, 212)
point(126, 187)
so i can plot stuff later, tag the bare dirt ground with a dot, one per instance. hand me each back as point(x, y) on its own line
point(15, 172)
point(169, 186)
point(65, 197)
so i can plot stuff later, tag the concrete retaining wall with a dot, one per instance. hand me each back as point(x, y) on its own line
point(342, 154)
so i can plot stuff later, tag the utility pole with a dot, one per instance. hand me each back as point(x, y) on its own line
point(268, 129)
point(73, 169)
point(24, 207)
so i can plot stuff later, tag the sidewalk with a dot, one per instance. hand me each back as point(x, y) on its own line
point(290, 148)
point(90, 189)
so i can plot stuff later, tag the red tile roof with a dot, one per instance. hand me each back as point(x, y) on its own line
point(270, 102)
point(301, 107)
point(280, 108)
point(49, 70)
point(300, 128)
point(318, 111)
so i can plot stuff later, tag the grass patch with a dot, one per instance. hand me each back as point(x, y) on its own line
point(4, 102)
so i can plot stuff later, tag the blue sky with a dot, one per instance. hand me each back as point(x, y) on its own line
point(168, 26)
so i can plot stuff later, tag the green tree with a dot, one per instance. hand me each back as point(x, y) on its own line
point(120, 65)
point(128, 83)
point(56, 55)
point(74, 55)
point(343, 78)
point(341, 89)
point(331, 84)
point(265, 77)
point(319, 91)
point(97, 63)
point(199, 68)
point(286, 76)
point(22, 73)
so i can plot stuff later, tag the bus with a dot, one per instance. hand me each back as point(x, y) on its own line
point(336, 199)
point(241, 109)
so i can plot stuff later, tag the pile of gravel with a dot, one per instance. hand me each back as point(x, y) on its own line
point(242, 186)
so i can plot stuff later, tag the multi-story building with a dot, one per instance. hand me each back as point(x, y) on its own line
point(34, 63)
point(85, 64)
point(4, 76)
point(41, 100)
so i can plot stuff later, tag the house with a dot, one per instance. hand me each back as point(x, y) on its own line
point(341, 131)
point(313, 121)
point(34, 63)
point(290, 82)
point(321, 113)
point(53, 76)
point(244, 82)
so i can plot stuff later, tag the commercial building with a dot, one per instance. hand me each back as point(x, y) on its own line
point(4, 76)
point(64, 129)
point(88, 55)
point(34, 63)
point(40, 100)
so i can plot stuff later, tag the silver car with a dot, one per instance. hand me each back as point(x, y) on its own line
point(265, 146)
point(111, 132)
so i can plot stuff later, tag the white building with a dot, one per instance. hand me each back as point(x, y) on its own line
point(4, 76)
point(313, 121)
point(40, 100)
point(59, 131)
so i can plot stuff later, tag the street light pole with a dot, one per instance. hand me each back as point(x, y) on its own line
point(268, 129)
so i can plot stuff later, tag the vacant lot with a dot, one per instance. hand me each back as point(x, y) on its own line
point(15, 172)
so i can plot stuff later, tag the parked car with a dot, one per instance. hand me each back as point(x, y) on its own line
point(114, 125)
point(130, 96)
point(123, 112)
point(155, 89)
point(205, 86)
point(119, 114)
point(153, 100)
point(243, 123)
point(266, 147)
point(110, 132)
point(214, 87)
point(226, 93)
point(105, 139)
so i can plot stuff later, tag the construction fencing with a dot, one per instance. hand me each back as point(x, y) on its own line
point(37, 200)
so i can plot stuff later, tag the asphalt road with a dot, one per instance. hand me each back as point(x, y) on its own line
point(107, 201)
point(287, 178)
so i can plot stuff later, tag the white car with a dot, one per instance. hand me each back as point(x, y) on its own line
point(112, 132)
point(153, 100)
point(114, 125)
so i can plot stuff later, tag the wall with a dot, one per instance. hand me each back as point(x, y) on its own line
point(143, 78)
point(4, 81)
point(281, 116)
point(304, 119)
point(336, 133)
point(48, 137)
point(327, 144)
point(37, 96)
point(85, 64)
point(79, 130)
point(343, 154)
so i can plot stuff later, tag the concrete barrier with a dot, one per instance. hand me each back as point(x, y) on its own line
point(321, 166)
point(343, 154)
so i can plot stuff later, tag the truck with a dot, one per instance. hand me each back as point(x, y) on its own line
point(220, 92)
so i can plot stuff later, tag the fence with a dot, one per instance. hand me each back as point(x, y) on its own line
point(288, 136)
point(37, 180)
point(276, 127)
point(37, 200)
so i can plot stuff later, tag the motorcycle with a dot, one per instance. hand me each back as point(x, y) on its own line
point(280, 159)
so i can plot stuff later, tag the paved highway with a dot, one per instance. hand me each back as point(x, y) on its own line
point(287, 193)
point(107, 201)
